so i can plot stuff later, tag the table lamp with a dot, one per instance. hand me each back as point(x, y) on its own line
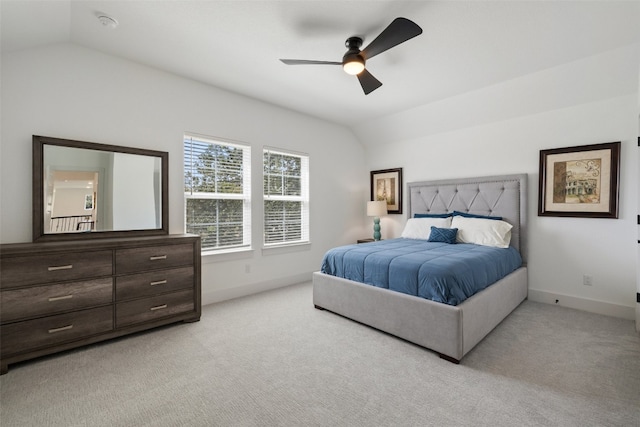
point(376, 210)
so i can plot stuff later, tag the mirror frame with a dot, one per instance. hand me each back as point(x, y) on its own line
point(38, 190)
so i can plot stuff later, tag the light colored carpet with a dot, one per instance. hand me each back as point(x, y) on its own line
point(273, 360)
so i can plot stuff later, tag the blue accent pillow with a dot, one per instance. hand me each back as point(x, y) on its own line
point(444, 235)
point(470, 215)
point(421, 215)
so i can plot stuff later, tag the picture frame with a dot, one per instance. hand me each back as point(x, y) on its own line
point(386, 184)
point(581, 181)
point(88, 202)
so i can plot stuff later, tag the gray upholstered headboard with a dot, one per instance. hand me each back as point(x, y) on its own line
point(502, 195)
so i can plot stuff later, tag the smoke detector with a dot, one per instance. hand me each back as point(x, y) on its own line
point(107, 21)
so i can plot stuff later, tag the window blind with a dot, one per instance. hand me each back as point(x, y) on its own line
point(286, 197)
point(217, 179)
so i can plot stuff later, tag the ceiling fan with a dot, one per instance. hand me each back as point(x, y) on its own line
point(353, 62)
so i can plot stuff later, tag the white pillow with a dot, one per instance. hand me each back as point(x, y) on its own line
point(487, 232)
point(420, 228)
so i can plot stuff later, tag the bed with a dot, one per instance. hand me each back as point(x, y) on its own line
point(449, 330)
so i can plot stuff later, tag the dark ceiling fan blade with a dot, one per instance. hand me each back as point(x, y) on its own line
point(399, 31)
point(308, 62)
point(368, 82)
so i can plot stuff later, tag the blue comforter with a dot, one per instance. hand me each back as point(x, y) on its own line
point(437, 271)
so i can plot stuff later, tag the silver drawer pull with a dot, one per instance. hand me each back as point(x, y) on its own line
point(155, 258)
point(159, 282)
point(51, 299)
point(64, 328)
point(158, 307)
point(61, 267)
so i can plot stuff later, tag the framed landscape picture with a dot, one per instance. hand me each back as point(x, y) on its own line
point(386, 185)
point(580, 181)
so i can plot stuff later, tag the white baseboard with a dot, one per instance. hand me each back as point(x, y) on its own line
point(593, 306)
point(218, 295)
point(584, 304)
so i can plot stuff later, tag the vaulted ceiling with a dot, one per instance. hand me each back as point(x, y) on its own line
point(235, 45)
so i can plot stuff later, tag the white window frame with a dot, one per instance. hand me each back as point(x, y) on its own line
point(303, 198)
point(245, 196)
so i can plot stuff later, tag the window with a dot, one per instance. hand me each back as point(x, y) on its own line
point(217, 185)
point(286, 197)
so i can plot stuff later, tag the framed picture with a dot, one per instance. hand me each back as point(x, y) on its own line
point(580, 181)
point(387, 185)
point(88, 202)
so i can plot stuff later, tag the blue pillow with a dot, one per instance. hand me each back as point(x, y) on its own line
point(421, 215)
point(470, 215)
point(444, 235)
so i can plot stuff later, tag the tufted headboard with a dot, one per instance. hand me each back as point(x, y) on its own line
point(502, 195)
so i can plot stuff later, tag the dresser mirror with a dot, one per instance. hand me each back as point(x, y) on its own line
point(84, 190)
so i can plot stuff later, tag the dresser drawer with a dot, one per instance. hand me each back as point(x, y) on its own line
point(153, 283)
point(45, 300)
point(59, 267)
point(153, 257)
point(46, 331)
point(142, 310)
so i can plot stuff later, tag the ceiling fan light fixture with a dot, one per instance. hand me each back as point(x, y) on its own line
point(353, 65)
point(399, 31)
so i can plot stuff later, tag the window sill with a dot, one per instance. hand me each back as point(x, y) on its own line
point(226, 255)
point(286, 249)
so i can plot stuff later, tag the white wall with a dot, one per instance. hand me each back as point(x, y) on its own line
point(70, 202)
point(71, 92)
point(638, 187)
point(134, 204)
point(492, 131)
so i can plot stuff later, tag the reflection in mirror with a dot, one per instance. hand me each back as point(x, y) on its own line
point(97, 189)
point(71, 201)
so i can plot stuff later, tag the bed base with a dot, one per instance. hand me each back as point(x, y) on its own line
point(450, 331)
point(442, 356)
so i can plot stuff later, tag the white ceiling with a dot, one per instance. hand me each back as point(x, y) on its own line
point(235, 45)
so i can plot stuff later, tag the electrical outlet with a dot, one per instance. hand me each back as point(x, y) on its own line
point(587, 280)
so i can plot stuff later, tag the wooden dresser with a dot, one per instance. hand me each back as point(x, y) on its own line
point(58, 296)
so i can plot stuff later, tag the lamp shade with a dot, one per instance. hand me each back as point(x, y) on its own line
point(377, 208)
point(354, 66)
